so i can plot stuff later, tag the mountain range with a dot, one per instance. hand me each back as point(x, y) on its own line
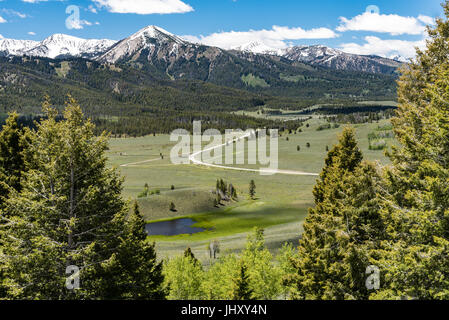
point(162, 45)
point(156, 74)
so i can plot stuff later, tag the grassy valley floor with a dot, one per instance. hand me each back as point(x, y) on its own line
point(282, 200)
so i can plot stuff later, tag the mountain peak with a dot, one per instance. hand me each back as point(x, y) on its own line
point(147, 38)
point(155, 32)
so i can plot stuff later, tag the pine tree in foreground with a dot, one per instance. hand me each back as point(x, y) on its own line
point(12, 156)
point(414, 262)
point(241, 289)
point(70, 212)
point(343, 229)
point(133, 271)
point(12, 168)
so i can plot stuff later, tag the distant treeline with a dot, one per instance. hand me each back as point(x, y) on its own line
point(167, 121)
point(345, 109)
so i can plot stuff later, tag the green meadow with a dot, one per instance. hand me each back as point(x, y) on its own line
point(281, 202)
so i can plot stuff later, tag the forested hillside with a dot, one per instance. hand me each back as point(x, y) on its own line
point(126, 99)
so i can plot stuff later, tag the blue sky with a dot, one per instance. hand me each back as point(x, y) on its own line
point(390, 28)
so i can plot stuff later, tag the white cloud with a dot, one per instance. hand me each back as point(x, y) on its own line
point(34, 1)
point(385, 23)
point(1, 37)
point(384, 48)
point(92, 9)
point(31, 33)
point(77, 24)
point(426, 19)
point(2, 20)
point(275, 38)
point(144, 6)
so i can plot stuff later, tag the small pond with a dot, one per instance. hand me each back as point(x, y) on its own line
point(172, 228)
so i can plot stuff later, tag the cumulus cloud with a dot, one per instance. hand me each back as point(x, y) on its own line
point(384, 48)
point(31, 33)
point(2, 20)
point(274, 38)
point(77, 24)
point(144, 6)
point(385, 23)
point(34, 1)
point(426, 19)
point(1, 37)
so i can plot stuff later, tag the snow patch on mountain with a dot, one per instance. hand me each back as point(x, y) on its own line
point(11, 47)
point(258, 48)
point(55, 46)
point(65, 45)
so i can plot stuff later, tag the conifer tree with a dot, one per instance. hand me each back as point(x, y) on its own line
point(343, 229)
point(70, 212)
point(189, 254)
point(12, 156)
point(241, 289)
point(252, 189)
point(414, 263)
point(133, 271)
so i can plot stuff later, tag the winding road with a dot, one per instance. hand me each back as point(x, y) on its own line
point(265, 171)
point(194, 160)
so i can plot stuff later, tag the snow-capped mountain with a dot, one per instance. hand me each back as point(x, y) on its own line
point(57, 45)
point(61, 45)
point(339, 60)
point(399, 58)
point(163, 49)
point(259, 48)
point(310, 54)
point(151, 39)
point(320, 55)
point(11, 47)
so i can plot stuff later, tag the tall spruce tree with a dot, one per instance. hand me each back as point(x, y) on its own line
point(12, 167)
point(341, 232)
point(414, 263)
point(241, 289)
point(70, 213)
point(133, 271)
point(12, 157)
